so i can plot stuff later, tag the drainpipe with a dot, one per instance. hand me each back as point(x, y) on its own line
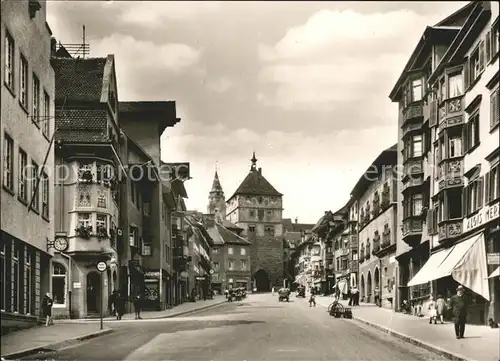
point(70, 281)
point(380, 286)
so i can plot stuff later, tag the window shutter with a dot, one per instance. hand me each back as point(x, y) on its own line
point(465, 138)
point(429, 220)
point(466, 74)
point(487, 194)
point(433, 118)
point(481, 55)
point(488, 47)
point(494, 104)
point(465, 191)
point(480, 192)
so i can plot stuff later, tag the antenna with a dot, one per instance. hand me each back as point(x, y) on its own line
point(77, 50)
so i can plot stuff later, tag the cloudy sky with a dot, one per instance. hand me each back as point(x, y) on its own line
point(305, 85)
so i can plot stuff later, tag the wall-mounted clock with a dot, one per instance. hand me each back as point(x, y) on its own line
point(61, 244)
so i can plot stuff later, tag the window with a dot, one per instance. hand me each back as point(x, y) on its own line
point(417, 90)
point(216, 266)
point(454, 146)
point(215, 250)
point(85, 171)
point(46, 114)
point(494, 39)
point(476, 65)
point(8, 162)
point(230, 265)
point(101, 198)
point(215, 277)
point(251, 228)
point(230, 250)
point(456, 84)
point(269, 230)
point(9, 61)
point(473, 131)
point(101, 222)
point(133, 236)
point(23, 82)
point(243, 265)
point(414, 146)
point(22, 178)
point(474, 196)
point(243, 251)
point(84, 220)
point(493, 184)
point(16, 277)
point(269, 213)
point(3, 276)
point(45, 195)
point(58, 283)
point(454, 203)
point(252, 213)
point(35, 116)
point(28, 286)
point(440, 210)
point(494, 109)
point(34, 182)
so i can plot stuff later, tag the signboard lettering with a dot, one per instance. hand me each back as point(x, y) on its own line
point(485, 215)
point(493, 258)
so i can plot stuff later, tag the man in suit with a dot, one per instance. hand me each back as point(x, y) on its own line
point(458, 305)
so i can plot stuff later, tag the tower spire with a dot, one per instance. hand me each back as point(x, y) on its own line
point(254, 162)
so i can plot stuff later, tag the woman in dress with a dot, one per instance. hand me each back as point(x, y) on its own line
point(432, 310)
point(440, 308)
point(47, 309)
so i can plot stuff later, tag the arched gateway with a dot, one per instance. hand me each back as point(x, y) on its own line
point(261, 281)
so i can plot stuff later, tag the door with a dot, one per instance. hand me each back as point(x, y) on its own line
point(93, 292)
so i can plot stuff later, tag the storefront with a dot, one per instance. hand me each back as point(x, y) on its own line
point(155, 293)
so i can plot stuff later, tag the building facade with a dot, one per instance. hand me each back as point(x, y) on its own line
point(293, 234)
point(230, 255)
point(27, 166)
point(452, 103)
point(376, 196)
point(256, 207)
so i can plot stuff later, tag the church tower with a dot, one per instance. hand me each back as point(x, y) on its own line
point(216, 201)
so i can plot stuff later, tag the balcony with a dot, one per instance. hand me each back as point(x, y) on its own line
point(409, 128)
point(412, 230)
point(450, 173)
point(412, 167)
point(450, 229)
point(413, 111)
point(451, 113)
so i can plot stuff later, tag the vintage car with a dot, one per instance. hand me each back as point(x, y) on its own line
point(301, 292)
point(283, 294)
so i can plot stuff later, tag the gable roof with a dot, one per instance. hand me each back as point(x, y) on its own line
point(221, 235)
point(81, 125)
point(79, 80)
point(255, 184)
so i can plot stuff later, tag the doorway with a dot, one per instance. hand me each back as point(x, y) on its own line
point(93, 292)
point(262, 281)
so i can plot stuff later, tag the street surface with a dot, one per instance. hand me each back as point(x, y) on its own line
point(258, 328)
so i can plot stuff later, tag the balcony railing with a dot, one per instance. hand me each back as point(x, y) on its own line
point(413, 111)
point(412, 167)
point(450, 173)
point(450, 229)
point(451, 113)
point(412, 230)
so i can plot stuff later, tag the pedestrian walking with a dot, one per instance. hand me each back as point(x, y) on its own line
point(47, 304)
point(312, 299)
point(458, 306)
point(119, 305)
point(432, 310)
point(355, 296)
point(440, 308)
point(349, 296)
point(272, 291)
point(138, 306)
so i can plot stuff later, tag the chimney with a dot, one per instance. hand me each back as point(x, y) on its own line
point(53, 46)
point(260, 170)
point(296, 220)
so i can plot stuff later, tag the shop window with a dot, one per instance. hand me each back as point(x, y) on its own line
point(16, 278)
point(28, 281)
point(58, 284)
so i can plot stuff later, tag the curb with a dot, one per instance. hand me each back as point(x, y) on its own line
point(427, 346)
point(55, 346)
point(181, 313)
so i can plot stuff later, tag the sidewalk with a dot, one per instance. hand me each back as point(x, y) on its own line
point(182, 309)
point(481, 343)
point(29, 341)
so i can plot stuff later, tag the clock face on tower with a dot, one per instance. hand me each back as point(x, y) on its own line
point(61, 244)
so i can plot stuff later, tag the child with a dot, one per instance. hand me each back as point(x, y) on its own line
point(432, 310)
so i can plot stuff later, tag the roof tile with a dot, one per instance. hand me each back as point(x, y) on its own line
point(256, 184)
point(81, 125)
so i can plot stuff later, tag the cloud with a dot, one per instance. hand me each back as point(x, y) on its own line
point(220, 85)
point(338, 58)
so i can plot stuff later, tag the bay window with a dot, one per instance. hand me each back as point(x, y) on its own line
point(416, 204)
point(455, 84)
point(454, 203)
point(84, 220)
point(414, 146)
point(442, 89)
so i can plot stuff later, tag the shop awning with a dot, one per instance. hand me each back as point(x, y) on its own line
point(496, 273)
point(300, 279)
point(465, 262)
point(342, 286)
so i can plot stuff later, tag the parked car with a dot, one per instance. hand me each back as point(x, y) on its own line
point(301, 292)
